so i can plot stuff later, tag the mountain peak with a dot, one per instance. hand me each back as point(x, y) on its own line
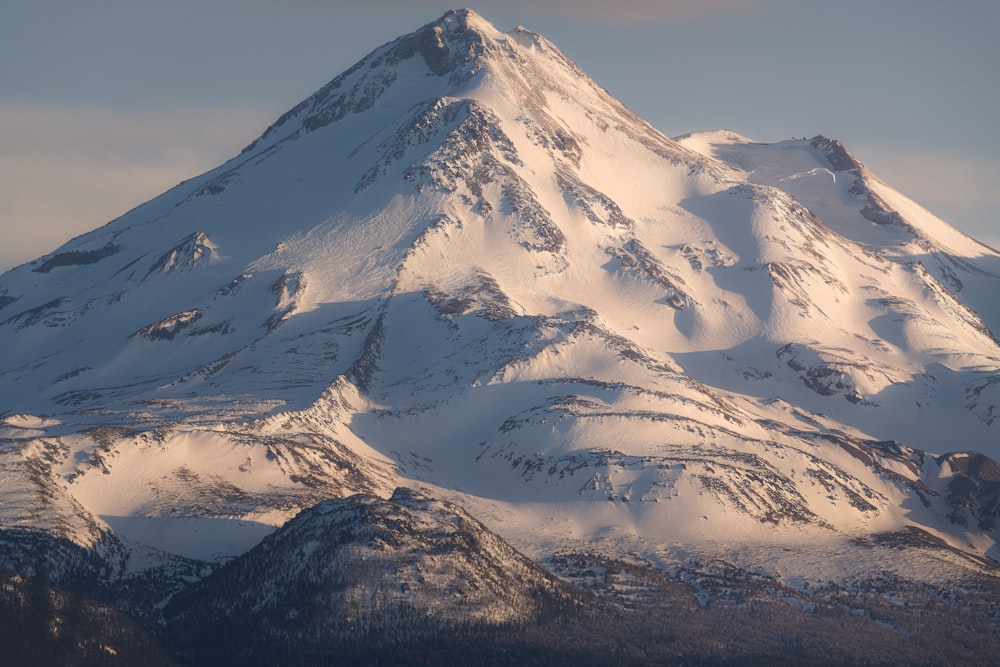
point(835, 153)
point(465, 19)
point(458, 36)
point(440, 59)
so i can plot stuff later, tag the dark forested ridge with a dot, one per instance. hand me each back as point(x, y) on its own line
point(416, 581)
point(41, 625)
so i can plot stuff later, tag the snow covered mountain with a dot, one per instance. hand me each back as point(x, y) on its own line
point(464, 267)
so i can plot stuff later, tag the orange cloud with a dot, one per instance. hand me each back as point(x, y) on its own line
point(66, 171)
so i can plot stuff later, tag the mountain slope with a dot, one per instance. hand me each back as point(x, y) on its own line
point(463, 266)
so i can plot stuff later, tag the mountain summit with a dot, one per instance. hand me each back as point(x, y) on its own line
point(418, 133)
point(462, 266)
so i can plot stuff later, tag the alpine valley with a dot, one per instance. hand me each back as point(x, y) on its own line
point(463, 362)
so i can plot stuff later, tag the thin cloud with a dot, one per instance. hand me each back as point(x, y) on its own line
point(960, 189)
point(630, 11)
point(66, 171)
point(944, 178)
point(598, 11)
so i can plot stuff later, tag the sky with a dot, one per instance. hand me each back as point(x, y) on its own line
point(104, 104)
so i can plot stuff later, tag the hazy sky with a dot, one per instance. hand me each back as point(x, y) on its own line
point(106, 103)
